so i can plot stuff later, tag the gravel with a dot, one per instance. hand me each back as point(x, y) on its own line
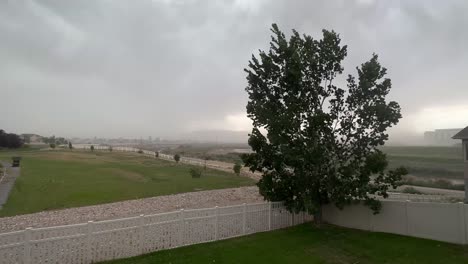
point(159, 204)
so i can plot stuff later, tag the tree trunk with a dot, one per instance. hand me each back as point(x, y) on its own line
point(318, 216)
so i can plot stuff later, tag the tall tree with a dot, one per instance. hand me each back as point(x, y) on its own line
point(314, 141)
point(10, 140)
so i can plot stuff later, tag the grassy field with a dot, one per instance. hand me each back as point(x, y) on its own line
point(61, 179)
point(306, 244)
point(435, 162)
point(422, 161)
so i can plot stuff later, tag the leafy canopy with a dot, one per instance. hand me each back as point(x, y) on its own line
point(315, 141)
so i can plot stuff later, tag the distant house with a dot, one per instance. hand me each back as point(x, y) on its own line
point(441, 137)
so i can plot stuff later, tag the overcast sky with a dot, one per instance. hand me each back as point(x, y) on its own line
point(139, 68)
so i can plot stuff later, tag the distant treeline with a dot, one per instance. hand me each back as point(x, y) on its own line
point(55, 140)
point(10, 140)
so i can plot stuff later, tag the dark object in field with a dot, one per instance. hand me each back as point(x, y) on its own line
point(196, 173)
point(16, 161)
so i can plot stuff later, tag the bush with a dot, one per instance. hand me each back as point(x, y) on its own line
point(177, 158)
point(196, 173)
point(110, 148)
point(411, 190)
point(156, 154)
point(52, 145)
point(237, 168)
point(70, 146)
point(92, 148)
point(140, 151)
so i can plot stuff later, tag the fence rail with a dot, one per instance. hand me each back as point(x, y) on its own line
point(112, 239)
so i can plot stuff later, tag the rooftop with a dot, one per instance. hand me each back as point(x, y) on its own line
point(463, 134)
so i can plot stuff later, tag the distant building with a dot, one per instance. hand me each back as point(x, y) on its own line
point(441, 137)
point(31, 138)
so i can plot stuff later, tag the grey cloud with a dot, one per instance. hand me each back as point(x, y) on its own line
point(138, 68)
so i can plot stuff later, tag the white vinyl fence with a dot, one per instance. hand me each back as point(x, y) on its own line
point(105, 240)
point(439, 221)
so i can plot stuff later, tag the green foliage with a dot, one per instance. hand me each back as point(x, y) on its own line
point(314, 141)
point(156, 154)
point(10, 140)
point(92, 148)
point(110, 149)
point(195, 172)
point(70, 146)
point(52, 145)
point(140, 151)
point(237, 168)
point(177, 158)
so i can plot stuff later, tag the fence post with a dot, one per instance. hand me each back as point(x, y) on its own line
point(406, 217)
point(142, 239)
point(244, 217)
point(27, 245)
point(291, 219)
point(461, 212)
point(269, 216)
point(182, 227)
point(89, 241)
point(216, 222)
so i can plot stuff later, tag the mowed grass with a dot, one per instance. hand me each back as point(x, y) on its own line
point(306, 244)
point(435, 162)
point(62, 179)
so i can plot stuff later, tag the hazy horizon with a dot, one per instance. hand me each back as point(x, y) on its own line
point(167, 68)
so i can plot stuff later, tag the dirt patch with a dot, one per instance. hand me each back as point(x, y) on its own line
point(128, 175)
point(69, 156)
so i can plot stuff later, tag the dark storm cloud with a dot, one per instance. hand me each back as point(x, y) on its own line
point(137, 68)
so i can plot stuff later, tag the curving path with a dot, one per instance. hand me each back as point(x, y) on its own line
point(7, 180)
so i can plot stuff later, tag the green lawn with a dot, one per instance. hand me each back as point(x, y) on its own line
point(438, 162)
point(61, 179)
point(306, 244)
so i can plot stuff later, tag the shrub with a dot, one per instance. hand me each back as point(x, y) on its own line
point(196, 173)
point(52, 145)
point(411, 190)
point(177, 158)
point(92, 148)
point(70, 146)
point(237, 168)
point(110, 148)
point(140, 151)
point(156, 154)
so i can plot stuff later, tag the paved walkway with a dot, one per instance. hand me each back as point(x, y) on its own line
point(7, 181)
